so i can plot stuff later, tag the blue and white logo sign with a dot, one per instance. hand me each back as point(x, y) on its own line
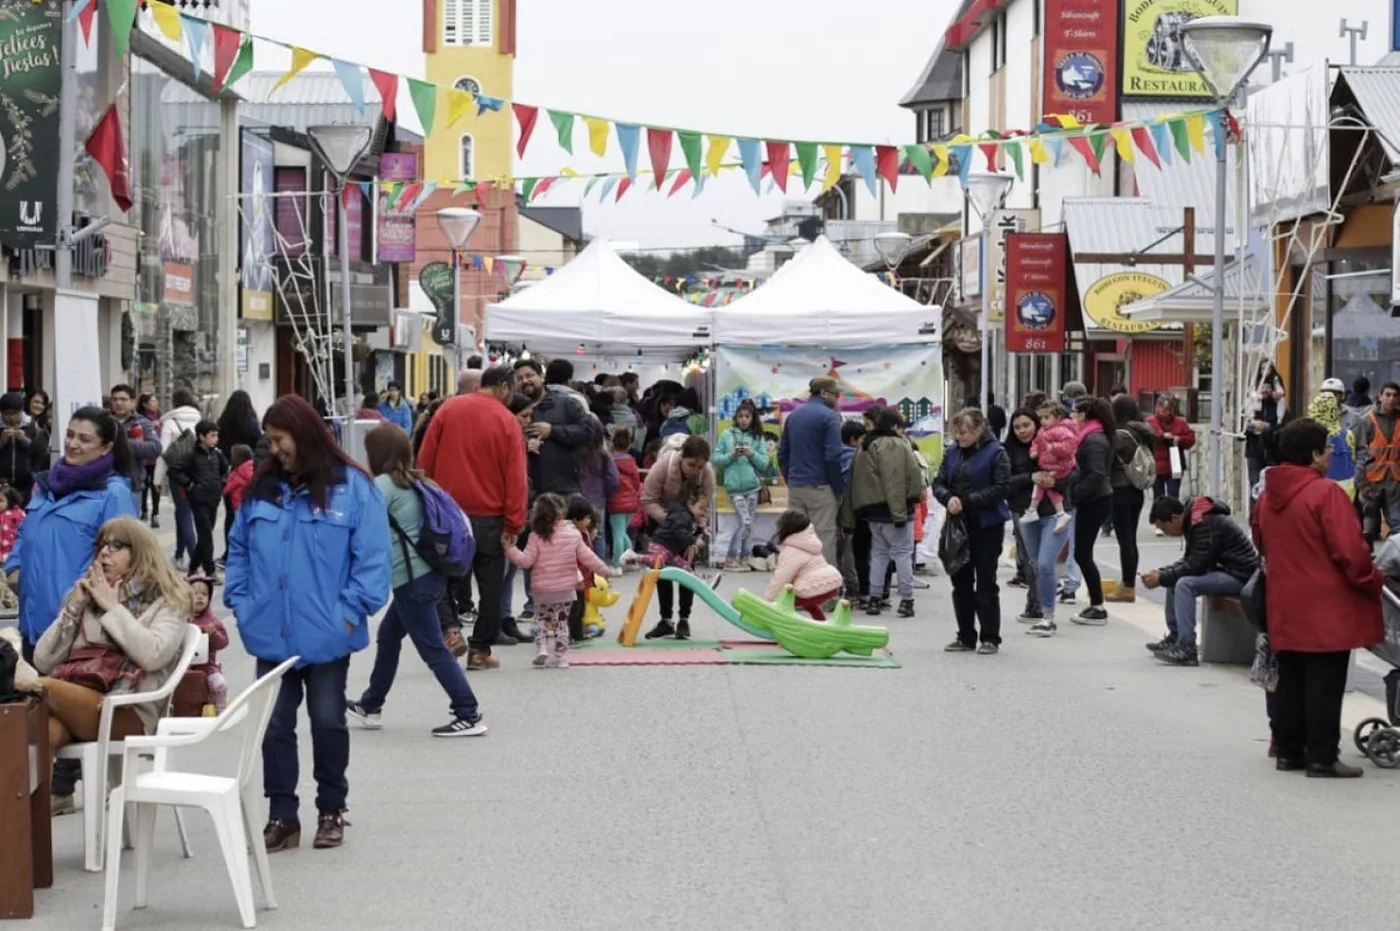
point(1035, 310)
point(1079, 75)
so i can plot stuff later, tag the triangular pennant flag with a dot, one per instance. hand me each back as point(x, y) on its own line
point(86, 14)
point(1099, 142)
point(682, 178)
point(489, 263)
point(1014, 153)
point(226, 43)
point(691, 145)
point(121, 16)
point(405, 194)
point(940, 168)
point(485, 102)
point(597, 135)
point(622, 188)
point(301, 57)
point(699, 187)
point(388, 87)
point(545, 185)
point(1038, 154)
point(887, 165)
point(564, 128)
point(1143, 140)
point(428, 187)
point(1057, 150)
point(242, 64)
point(108, 149)
point(167, 19)
point(962, 154)
point(659, 148)
point(196, 31)
point(1196, 132)
point(527, 190)
point(424, 97)
point(780, 162)
point(609, 183)
point(526, 117)
point(714, 156)
point(989, 152)
point(832, 154)
point(863, 159)
point(476, 262)
point(353, 78)
point(752, 161)
point(77, 9)
point(592, 183)
point(1179, 140)
point(1161, 141)
point(807, 162)
point(920, 158)
point(459, 104)
point(628, 135)
point(1086, 151)
point(1123, 144)
point(1217, 130)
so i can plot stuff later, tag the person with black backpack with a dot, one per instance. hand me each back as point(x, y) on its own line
point(1133, 470)
point(429, 537)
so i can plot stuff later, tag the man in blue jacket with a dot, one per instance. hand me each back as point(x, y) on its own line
point(395, 409)
point(809, 455)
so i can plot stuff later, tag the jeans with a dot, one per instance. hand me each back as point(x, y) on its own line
point(1166, 487)
point(203, 513)
point(414, 614)
point(323, 685)
point(489, 567)
point(1308, 705)
point(620, 540)
point(184, 524)
point(976, 596)
point(1072, 579)
point(1025, 564)
point(819, 503)
point(1127, 510)
point(1181, 601)
point(745, 507)
point(1088, 519)
point(1045, 544)
point(891, 543)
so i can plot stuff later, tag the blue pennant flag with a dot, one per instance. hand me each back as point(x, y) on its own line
point(548, 270)
point(627, 137)
point(752, 161)
point(609, 183)
point(196, 31)
point(1217, 129)
point(699, 185)
point(484, 103)
point(863, 159)
point(963, 154)
point(364, 189)
point(476, 262)
point(1161, 141)
point(76, 10)
point(353, 77)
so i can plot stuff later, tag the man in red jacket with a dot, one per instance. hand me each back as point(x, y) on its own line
point(473, 449)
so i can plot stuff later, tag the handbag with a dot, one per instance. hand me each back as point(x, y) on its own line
point(1254, 602)
point(98, 668)
point(1263, 672)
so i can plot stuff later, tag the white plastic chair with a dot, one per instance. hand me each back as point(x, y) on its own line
point(232, 802)
point(94, 754)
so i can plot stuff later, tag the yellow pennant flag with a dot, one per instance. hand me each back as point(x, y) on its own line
point(832, 154)
point(1196, 132)
point(167, 17)
point(459, 104)
point(1124, 144)
point(567, 172)
point(597, 135)
point(489, 263)
point(940, 169)
point(714, 156)
point(1038, 154)
point(301, 57)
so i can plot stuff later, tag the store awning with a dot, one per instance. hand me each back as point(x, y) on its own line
point(1193, 300)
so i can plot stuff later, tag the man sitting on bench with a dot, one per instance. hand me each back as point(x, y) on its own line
point(1219, 559)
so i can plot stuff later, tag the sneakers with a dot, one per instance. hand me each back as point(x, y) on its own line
point(461, 727)
point(682, 629)
point(957, 646)
point(557, 664)
point(1091, 617)
point(479, 660)
point(1062, 521)
point(663, 628)
point(330, 829)
point(1166, 643)
point(281, 835)
point(61, 805)
point(758, 564)
point(455, 642)
point(1123, 594)
point(1065, 596)
point(873, 607)
point(735, 565)
point(1179, 655)
point(467, 618)
point(1043, 628)
point(1157, 531)
point(1030, 617)
point(1030, 517)
point(1337, 770)
point(540, 659)
point(988, 649)
point(906, 607)
point(366, 719)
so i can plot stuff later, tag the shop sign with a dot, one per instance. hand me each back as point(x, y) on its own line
point(1081, 60)
point(1155, 63)
point(395, 228)
point(179, 283)
point(1106, 298)
point(1036, 284)
point(30, 37)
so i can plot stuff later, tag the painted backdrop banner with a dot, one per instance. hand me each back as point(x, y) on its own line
point(1081, 59)
point(255, 227)
point(1155, 63)
point(907, 377)
point(395, 227)
point(30, 35)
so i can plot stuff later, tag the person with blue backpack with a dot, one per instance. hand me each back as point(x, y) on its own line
point(308, 563)
point(430, 540)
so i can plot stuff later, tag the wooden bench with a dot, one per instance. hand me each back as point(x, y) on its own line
point(25, 767)
point(1225, 634)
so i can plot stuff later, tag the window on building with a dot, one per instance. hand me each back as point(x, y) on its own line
point(470, 85)
point(937, 123)
point(1038, 12)
point(466, 164)
point(466, 22)
point(998, 42)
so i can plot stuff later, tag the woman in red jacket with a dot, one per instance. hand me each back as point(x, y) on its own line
point(1172, 430)
point(1323, 597)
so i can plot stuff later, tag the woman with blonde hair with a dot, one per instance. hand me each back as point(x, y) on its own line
point(120, 629)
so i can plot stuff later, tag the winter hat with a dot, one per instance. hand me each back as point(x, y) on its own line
point(199, 578)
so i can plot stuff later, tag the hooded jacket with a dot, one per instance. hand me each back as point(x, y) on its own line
point(1324, 592)
point(741, 475)
point(683, 421)
point(1126, 441)
point(886, 480)
point(202, 474)
point(627, 499)
point(556, 561)
point(1353, 409)
point(1168, 430)
point(801, 565)
point(554, 469)
point(401, 414)
point(1213, 542)
point(677, 531)
point(172, 427)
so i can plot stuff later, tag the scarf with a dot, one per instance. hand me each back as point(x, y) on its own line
point(64, 479)
point(1324, 410)
point(1090, 426)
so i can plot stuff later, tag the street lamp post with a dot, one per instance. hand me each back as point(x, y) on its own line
point(457, 225)
point(340, 147)
point(986, 192)
point(1224, 50)
point(892, 247)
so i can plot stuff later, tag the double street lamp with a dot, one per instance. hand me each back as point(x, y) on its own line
point(986, 193)
point(1224, 50)
point(457, 225)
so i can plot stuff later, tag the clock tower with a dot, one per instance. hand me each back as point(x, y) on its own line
point(470, 45)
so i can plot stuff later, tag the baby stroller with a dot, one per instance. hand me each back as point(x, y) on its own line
point(1379, 739)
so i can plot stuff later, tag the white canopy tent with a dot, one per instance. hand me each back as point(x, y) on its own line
point(821, 299)
point(598, 305)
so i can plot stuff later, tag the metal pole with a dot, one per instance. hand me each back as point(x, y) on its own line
point(1217, 321)
point(226, 187)
point(984, 321)
point(454, 352)
point(349, 444)
point(67, 153)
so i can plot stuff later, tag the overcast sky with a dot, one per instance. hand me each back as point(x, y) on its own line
point(821, 69)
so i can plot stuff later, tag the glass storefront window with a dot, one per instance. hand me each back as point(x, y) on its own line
point(1365, 338)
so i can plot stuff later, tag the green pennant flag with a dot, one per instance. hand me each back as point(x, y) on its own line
point(918, 156)
point(242, 64)
point(564, 126)
point(1179, 139)
point(1013, 152)
point(807, 161)
point(121, 15)
point(690, 148)
point(1099, 142)
point(592, 182)
point(395, 192)
point(424, 102)
point(528, 188)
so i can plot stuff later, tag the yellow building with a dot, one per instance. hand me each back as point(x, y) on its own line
point(470, 45)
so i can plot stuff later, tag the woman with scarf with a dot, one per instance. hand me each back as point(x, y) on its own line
point(1265, 420)
point(1093, 497)
point(1325, 410)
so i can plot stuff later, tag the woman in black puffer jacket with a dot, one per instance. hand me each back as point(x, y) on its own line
point(1023, 428)
point(1093, 497)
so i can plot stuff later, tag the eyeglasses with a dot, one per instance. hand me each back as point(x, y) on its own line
point(113, 546)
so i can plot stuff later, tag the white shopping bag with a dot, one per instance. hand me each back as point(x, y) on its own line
point(933, 529)
point(1174, 457)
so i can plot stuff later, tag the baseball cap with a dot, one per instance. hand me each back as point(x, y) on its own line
point(1334, 384)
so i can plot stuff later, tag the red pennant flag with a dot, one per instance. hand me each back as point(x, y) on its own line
point(409, 193)
point(542, 187)
point(989, 149)
point(887, 165)
point(1143, 140)
point(780, 161)
point(1233, 126)
point(682, 178)
point(525, 116)
point(765, 171)
point(85, 21)
point(106, 147)
point(388, 86)
point(659, 145)
point(1081, 145)
point(622, 187)
point(226, 44)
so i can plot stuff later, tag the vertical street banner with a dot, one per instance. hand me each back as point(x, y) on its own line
point(256, 227)
point(1035, 292)
point(30, 36)
point(1155, 63)
point(395, 222)
point(1081, 60)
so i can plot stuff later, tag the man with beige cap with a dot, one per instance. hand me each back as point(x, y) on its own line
point(809, 455)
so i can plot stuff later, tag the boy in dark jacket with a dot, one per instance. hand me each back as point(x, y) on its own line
point(202, 475)
point(1219, 559)
point(887, 483)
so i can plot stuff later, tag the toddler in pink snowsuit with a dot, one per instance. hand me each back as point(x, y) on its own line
point(1053, 450)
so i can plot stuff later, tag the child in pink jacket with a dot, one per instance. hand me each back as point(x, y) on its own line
point(1053, 450)
point(556, 552)
point(801, 565)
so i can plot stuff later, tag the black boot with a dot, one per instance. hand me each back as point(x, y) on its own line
point(663, 628)
point(906, 607)
point(512, 630)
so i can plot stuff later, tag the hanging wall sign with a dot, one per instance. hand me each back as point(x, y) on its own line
point(1035, 292)
point(1155, 63)
point(1081, 60)
point(30, 36)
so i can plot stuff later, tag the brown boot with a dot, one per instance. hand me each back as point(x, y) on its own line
point(330, 829)
point(454, 641)
point(1124, 594)
point(281, 835)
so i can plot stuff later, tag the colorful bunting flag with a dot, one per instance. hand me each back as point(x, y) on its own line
point(424, 97)
point(714, 157)
point(1039, 156)
point(962, 154)
point(86, 14)
point(1014, 153)
point(1123, 144)
point(807, 162)
point(989, 151)
point(526, 117)
point(659, 148)
point(608, 184)
point(77, 9)
point(753, 163)
point(226, 43)
point(1179, 139)
point(388, 87)
point(527, 190)
point(242, 64)
point(196, 31)
point(564, 129)
point(1086, 151)
point(863, 160)
point(780, 163)
point(832, 154)
point(1196, 132)
point(166, 16)
point(597, 135)
point(628, 135)
point(941, 167)
point(459, 104)
point(301, 57)
point(1161, 141)
point(1217, 131)
point(484, 103)
point(919, 157)
point(353, 78)
point(106, 144)
point(1143, 140)
point(887, 165)
point(592, 182)
point(121, 16)
point(690, 151)
point(682, 178)
point(622, 187)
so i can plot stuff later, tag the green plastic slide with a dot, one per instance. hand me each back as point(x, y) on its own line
point(712, 600)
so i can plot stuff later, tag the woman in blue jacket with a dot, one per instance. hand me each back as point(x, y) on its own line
point(308, 563)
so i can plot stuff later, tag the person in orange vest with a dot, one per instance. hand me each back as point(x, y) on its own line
point(1378, 456)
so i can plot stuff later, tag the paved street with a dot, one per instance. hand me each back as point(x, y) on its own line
point(1070, 783)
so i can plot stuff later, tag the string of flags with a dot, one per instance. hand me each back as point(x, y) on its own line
point(1158, 141)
